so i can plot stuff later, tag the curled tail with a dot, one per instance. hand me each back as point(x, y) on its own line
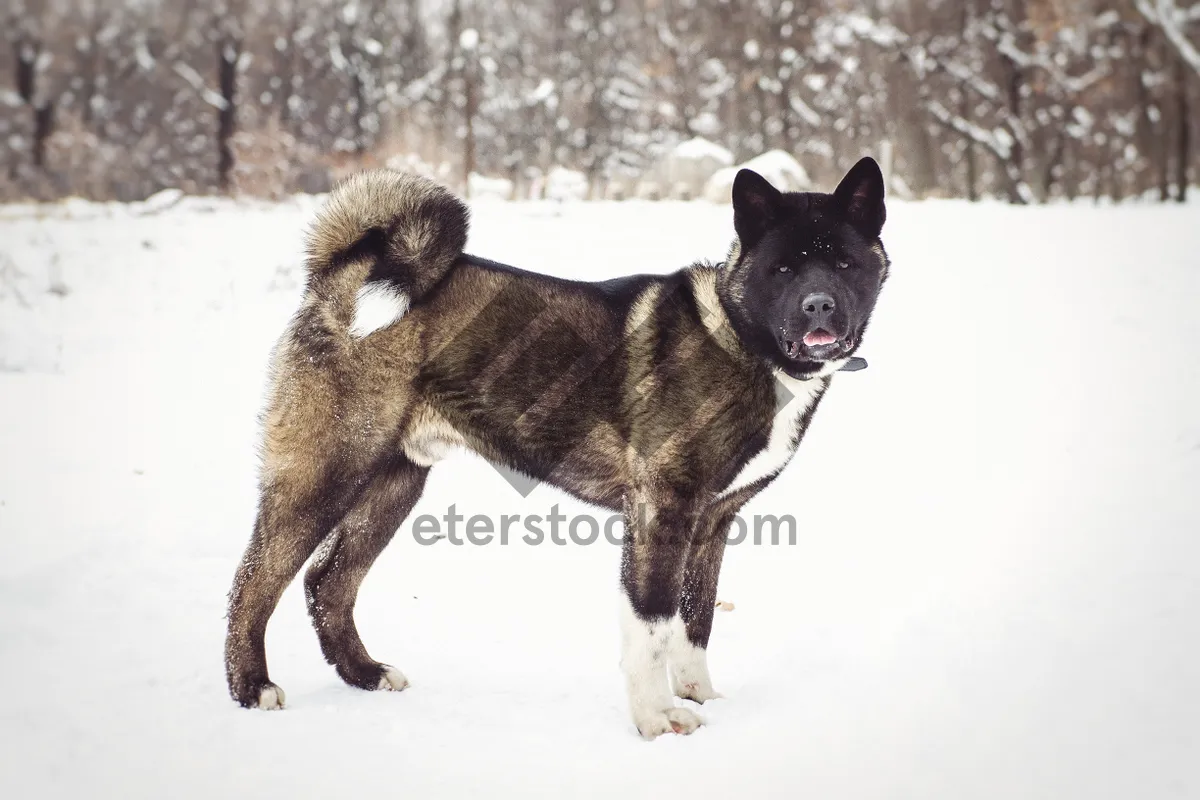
point(383, 240)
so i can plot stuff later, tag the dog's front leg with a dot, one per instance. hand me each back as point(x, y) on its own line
point(689, 648)
point(654, 554)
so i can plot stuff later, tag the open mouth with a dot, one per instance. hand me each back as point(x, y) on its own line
point(818, 337)
point(817, 345)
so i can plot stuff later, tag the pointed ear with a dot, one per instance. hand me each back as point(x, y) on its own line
point(756, 203)
point(860, 197)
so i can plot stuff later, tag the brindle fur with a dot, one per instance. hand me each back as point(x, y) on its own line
point(643, 394)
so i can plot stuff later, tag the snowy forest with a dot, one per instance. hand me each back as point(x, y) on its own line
point(1020, 100)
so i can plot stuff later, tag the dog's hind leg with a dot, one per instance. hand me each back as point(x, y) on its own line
point(294, 516)
point(689, 647)
point(332, 581)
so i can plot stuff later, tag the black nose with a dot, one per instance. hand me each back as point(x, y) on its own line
point(818, 308)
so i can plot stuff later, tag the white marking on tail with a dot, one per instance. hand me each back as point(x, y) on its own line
point(378, 305)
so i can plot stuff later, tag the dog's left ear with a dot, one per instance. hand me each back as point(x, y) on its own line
point(756, 204)
point(860, 197)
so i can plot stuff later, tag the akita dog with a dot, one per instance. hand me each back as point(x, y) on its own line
point(671, 398)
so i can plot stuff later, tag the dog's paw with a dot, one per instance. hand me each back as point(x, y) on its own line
point(672, 720)
point(270, 698)
point(392, 680)
point(697, 691)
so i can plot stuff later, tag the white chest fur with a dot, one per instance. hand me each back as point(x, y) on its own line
point(782, 437)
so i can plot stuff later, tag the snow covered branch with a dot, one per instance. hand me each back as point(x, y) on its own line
point(999, 141)
point(196, 81)
point(1172, 20)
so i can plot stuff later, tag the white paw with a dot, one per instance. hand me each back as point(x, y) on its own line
point(393, 680)
point(270, 698)
point(689, 669)
point(697, 691)
point(673, 720)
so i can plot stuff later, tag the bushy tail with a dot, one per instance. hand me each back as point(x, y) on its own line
point(391, 230)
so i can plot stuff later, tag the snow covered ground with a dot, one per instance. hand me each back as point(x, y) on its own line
point(995, 592)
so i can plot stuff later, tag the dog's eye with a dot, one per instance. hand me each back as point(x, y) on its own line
point(843, 264)
point(784, 268)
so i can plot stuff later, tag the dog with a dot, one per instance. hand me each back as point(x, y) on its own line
point(671, 398)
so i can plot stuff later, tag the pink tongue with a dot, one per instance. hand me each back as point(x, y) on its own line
point(819, 337)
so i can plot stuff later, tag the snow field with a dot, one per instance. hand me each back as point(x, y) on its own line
point(994, 592)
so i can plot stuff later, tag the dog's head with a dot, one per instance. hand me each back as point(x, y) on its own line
point(802, 279)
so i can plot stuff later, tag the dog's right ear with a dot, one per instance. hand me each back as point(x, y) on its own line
point(756, 204)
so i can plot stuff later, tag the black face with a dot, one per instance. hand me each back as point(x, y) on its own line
point(809, 268)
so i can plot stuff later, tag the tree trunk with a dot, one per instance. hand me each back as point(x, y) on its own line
point(1050, 176)
point(285, 68)
point(43, 126)
point(1164, 167)
point(1070, 181)
point(1183, 138)
point(964, 110)
point(89, 67)
point(360, 145)
point(970, 155)
point(1015, 81)
point(27, 53)
point(228, 52)
point(469, 111)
